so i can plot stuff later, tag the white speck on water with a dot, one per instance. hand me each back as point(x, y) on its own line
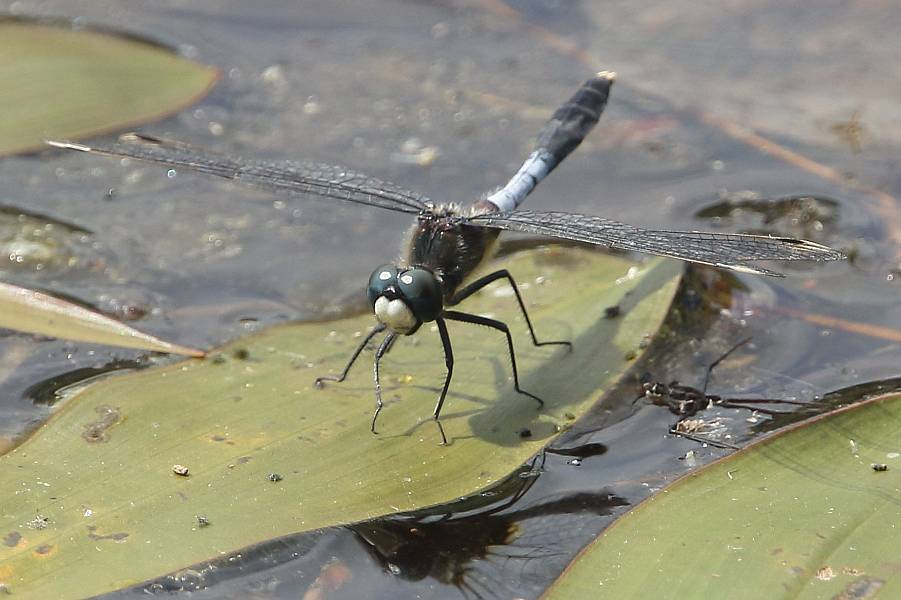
point(171, 173)
point(691, 459)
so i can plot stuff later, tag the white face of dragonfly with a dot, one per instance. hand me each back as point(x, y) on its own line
point(404, 299)
point(396, 315)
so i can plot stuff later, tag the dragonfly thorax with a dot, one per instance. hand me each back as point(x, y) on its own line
point(405, 298)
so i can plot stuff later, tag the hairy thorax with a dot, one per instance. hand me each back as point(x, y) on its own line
point(453, 251)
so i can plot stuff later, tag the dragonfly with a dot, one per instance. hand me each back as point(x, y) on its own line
point(449, 241)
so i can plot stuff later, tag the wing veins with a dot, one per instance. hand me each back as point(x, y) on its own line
point(294, 178)
point(729, 250)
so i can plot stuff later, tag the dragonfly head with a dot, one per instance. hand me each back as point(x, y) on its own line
point(404, 299)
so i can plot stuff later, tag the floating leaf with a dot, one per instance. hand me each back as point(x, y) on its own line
point(802, 514)
point(30, 311)
point(57, 82)
point(93, 503)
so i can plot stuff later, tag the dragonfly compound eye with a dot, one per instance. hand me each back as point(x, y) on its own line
point(383, 278)
point(422, 292)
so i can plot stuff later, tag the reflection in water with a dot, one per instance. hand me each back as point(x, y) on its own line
point(467, 552)
point(31, 241)
point(50, 391)
point(472, 545)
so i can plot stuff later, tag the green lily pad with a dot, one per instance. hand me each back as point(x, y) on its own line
point(31, 311)
point(91, 502)
point(802, 514)
point(57, 82)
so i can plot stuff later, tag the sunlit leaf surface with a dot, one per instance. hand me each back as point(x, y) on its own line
point(30, 311)
point(56, 82)
point(804, 514)
point(91, 502)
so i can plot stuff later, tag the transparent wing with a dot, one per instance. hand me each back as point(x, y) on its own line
point(293, 178)
point(725, 250)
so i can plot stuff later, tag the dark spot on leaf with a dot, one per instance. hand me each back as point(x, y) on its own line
point(218, 438)
point(243, 460)
point(44, 549)
point(97, 431)
point(241, 353)
point(860, 589)
point(525, 433)
point(116, 537)
point(12, 538)
point(611, 312)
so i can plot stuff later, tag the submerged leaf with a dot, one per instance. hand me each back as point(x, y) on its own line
point(807, 513)
point(30, 311)
point(101, 474)
point(56, 81)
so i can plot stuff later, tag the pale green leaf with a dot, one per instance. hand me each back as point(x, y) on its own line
point(56, 82)
point(31, 311)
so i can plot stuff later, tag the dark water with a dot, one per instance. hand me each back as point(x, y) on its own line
point(443, 97)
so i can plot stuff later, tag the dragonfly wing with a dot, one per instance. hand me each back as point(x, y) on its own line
point(726, 250)
point(288, 177)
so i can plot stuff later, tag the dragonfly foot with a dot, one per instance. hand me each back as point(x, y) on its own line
point(441, 431)
point(320, 381)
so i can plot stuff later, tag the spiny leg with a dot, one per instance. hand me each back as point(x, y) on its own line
point(339, 378)
point(500, 326)
point(391, 343)
point(383, 348)
point(449, 361)
point(478, 284)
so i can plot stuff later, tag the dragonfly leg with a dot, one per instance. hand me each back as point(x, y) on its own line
point(449, 361)
point(320, 381)
point(475, 286)
point(722, 357)
point(383, 348)
point(454, 315)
